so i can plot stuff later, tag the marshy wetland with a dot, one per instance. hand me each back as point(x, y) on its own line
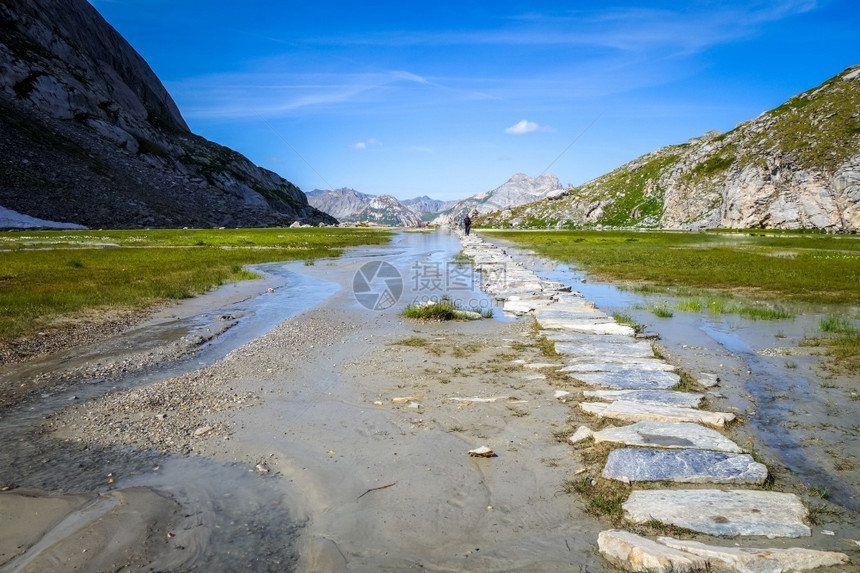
point(334, 437)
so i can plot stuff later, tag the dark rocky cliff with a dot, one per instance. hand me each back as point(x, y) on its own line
point(89, 135)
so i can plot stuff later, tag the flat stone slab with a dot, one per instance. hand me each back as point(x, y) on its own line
point(683, 466)
point(652, 364)
point(715, 512)
point(633, 412)
point(753, 560)
point(629, 379)
point(653, 397)
point(670, 435)
point(588, 327)
point(632, 552)
point(620, 360)
point(605, 349)
point(525, 304)
point(561, 336)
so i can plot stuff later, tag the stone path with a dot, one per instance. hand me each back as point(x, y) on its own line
point(667, 443)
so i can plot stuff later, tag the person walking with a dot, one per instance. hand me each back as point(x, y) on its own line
point(467, 224)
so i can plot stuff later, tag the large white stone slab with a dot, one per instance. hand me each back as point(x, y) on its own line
point(588, 327)
point(669, 435)
point(525, 304)
point(630, 379)
point(683, 466)
point(653, 397)
point(620, 360)
point(579, 338)
point(715, 512)
point(633, 412)
point(754, 560)
point(652, 364)
point(606, 349)
point(631, 552)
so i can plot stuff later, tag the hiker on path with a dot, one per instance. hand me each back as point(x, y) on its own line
point(467, 223)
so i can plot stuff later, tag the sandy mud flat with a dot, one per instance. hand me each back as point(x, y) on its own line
point(337, 440)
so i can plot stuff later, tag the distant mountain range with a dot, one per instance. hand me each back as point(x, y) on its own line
point(349, 205)
point(794, 167)
point(517, 190)
point(89, 136)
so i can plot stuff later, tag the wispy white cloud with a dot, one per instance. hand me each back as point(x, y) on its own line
point(691, 27)
point(364, 144)
point(523, 127)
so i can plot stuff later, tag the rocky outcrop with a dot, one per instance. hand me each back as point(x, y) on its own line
point(90, 136)
point(793, 167)
point(517, 190)
point(339, 203)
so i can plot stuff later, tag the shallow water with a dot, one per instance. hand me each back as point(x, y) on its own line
point(790, 410)
point(240, 519)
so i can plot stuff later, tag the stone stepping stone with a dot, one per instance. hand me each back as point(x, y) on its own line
point(654, 397)
point(683, 466)
point(560, 336)
point(633, 412)
point(525, 304)
point(715, 512)
point(621, 360)
point(669, 435)
point(629, 379)
point(631, 552)
point(606, 349)
point(753, 560)
point(651, 364)
point(589, 327)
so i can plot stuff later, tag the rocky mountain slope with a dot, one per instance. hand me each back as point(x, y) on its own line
point(517, 190)
point(89, 135)
point(425, 206)
point(339, 203)
point(346, 204)
point(793, 167)
point(385, 210)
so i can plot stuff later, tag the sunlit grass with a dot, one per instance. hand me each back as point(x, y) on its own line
point(821, 269)
point(721, 272)
point(48, 276)
point(444, 309)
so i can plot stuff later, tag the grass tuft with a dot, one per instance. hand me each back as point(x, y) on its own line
point(444, 309)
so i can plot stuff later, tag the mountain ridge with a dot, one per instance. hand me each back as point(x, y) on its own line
point(90, 136)
point(796, 166)
point(517, 190)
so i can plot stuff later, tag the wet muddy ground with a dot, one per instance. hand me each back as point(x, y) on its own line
point(316, 434)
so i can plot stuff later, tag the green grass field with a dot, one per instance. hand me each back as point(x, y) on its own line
point(721, 271)
point(813, 268)
point(50, 276)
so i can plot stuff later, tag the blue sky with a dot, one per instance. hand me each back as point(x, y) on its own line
point(449, 99)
